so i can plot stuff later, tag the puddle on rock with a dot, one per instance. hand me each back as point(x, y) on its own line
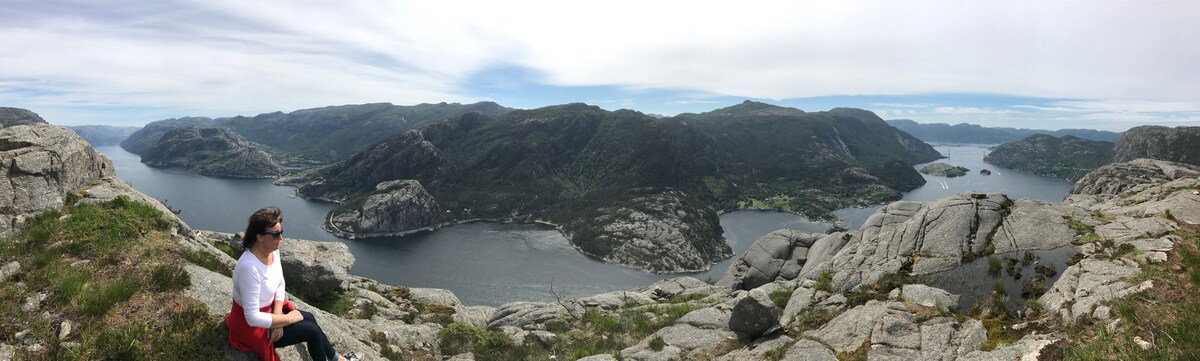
point(1017, 272)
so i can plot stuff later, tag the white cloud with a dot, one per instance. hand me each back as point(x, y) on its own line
point(227, 56)
point(1132, 106)
point(972, 111)
point(904, 105)
point(691, 101)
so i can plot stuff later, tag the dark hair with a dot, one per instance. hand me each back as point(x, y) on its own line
point(258, 224)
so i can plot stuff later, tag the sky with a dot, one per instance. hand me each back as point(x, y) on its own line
point(1107, 65)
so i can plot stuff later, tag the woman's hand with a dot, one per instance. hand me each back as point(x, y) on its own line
point(276, 333)
point(294, 317)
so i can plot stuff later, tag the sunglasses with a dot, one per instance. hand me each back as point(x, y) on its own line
point(275, 234)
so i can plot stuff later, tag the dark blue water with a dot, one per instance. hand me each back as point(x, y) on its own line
point(491, 263)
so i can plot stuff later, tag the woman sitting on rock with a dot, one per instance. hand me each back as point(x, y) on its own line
point(262, 318)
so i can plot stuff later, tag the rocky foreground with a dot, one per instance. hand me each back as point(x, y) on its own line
point(860, 294)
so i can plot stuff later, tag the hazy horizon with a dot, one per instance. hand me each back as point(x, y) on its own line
point(1107, 65)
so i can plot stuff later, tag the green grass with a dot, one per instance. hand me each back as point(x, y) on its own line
point(486, 345)
point(859, 354)
point(169, 277)
point(207, 261)
point(1167, 315)
point(824, 282)
point(810, 319)
point(96, 300)
point(1087, 233)
point(657, 343)
point(594, 333)
point(338, 303)
point(126, 299)
point(781, 296)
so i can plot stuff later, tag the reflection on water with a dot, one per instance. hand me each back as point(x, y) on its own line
point(1011, 273)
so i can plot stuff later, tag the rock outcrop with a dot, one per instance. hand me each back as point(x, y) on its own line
point(1084, 285)
point(779, 255)
point(42, 163)
point(211, 151)
point(1067, 157)
point(924, 238)
point(656, 230)
point(1117, 178)
point(1178, 144)
point(396, 207)
point(892, 331)
point(11, 117)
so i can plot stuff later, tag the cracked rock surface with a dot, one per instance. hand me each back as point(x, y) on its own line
point(42, 163)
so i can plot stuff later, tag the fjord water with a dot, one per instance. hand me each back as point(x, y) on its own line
point(1014, 183)
point(492, 263)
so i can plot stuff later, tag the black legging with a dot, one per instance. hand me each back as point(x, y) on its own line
point(309, 332)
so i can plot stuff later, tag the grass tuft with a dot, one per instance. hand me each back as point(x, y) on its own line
point(112, 269)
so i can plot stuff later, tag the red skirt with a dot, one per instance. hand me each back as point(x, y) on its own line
point(252, 339)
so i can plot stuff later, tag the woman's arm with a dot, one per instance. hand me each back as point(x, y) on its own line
point(250, 286)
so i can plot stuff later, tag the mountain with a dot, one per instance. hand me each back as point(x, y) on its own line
point(972, 133)
point(604, 176)
point(149, 135)
point(1178, 144)
point(319, 135)
point(211, 151)
point(97, 135)
point(1067, 157)
point(16, 116)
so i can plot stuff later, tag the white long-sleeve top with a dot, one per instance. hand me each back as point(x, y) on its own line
point(256, 285)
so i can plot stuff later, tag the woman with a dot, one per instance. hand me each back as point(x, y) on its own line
point(262, 318)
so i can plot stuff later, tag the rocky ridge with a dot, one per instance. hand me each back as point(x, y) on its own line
point(211, 151)
point(1178, 144)
point(318, 135)
point(10, 117)
point(975, 134)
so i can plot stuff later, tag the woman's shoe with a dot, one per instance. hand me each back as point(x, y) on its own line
point(351, 356)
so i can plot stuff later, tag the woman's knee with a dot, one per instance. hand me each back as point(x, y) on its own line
point(308, 316)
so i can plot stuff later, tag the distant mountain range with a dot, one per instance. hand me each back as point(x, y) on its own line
point(972, 133)
point(98, 135)
point(318, 135)
point(620, 182)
